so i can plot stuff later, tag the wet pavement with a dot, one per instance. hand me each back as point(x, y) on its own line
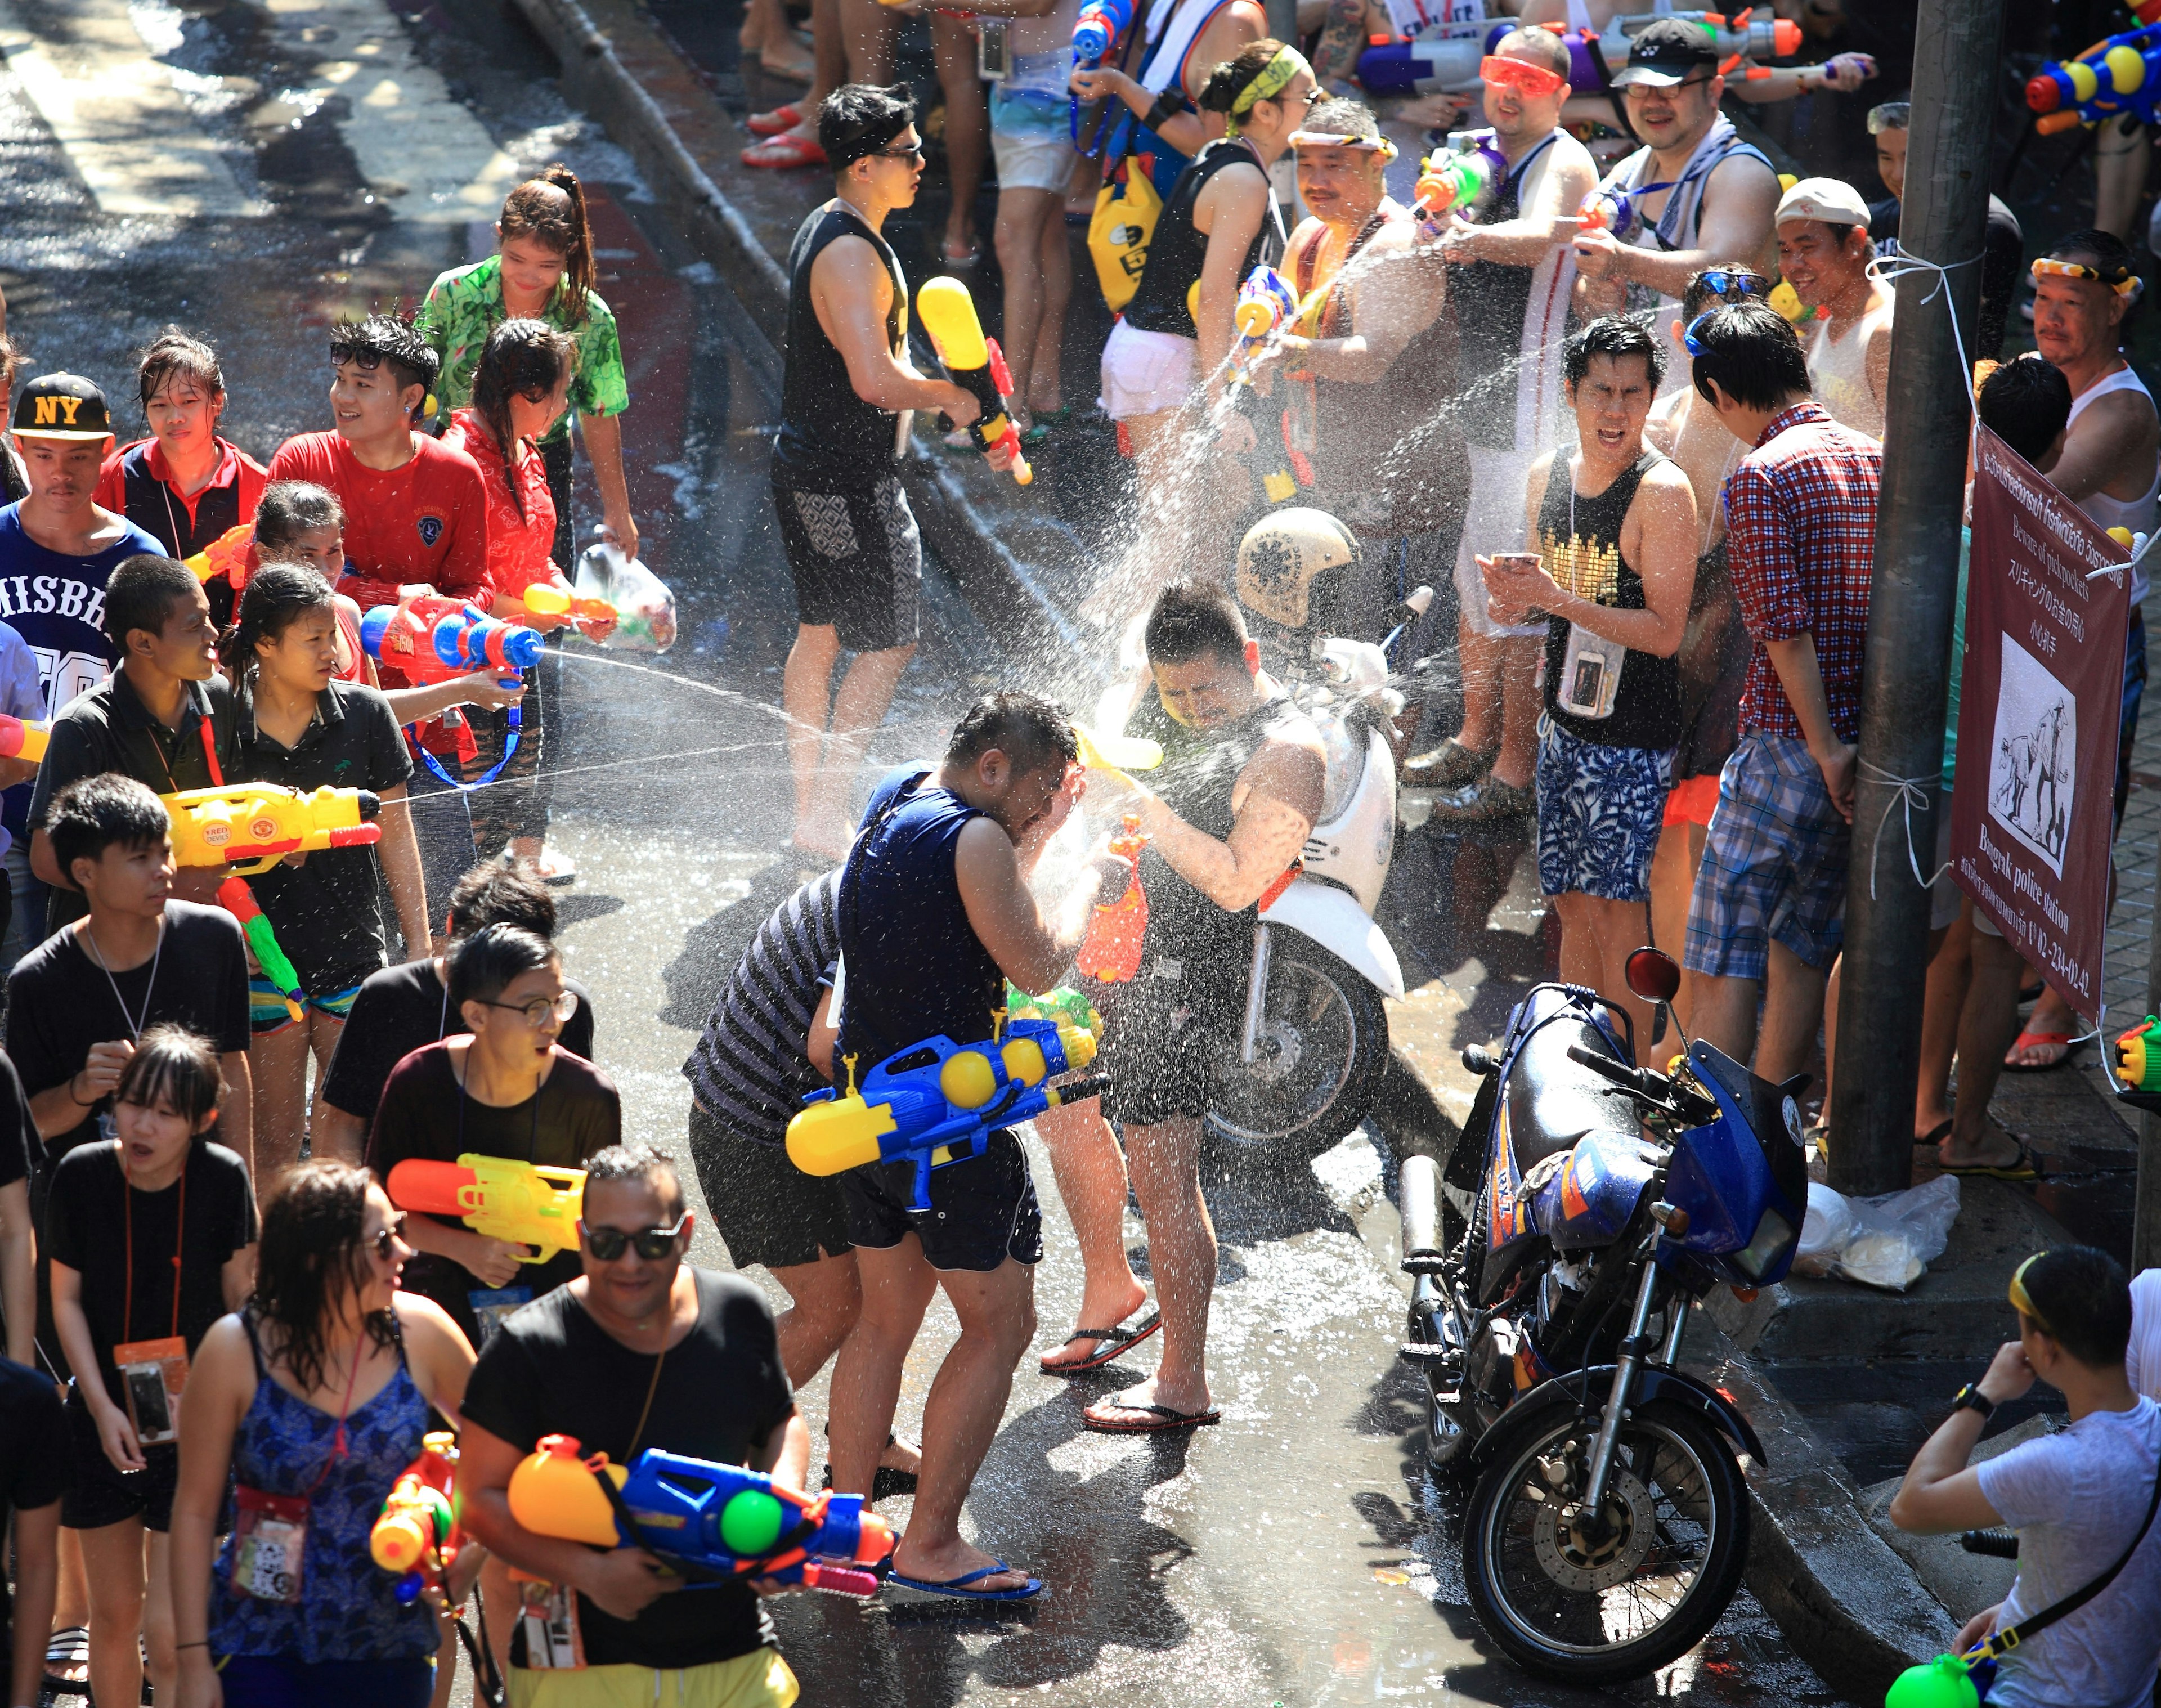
point(1295, 1553)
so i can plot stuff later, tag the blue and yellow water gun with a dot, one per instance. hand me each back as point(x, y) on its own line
point(938, 1102)
point(2117, 74)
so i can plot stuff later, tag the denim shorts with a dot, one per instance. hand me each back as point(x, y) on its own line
point(1600, 809)
point(1773, 864)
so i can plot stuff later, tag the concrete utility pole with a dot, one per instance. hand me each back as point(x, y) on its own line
point(1913, 588)
point(2146, 1206)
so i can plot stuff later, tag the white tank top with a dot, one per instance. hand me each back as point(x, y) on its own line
point(2137, 514)
point(1579, 14)
point(1838, 371)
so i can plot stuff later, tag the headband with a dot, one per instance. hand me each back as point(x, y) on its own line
point(873, 134)
point(2126, 284)
point(1329, 139)
point(1273, 79)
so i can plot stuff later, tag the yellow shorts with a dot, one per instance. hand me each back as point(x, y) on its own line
point(758, 1679)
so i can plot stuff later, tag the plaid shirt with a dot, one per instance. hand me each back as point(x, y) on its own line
point(1800, 529)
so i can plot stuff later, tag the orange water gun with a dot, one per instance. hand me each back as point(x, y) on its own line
point(1110, 952)
point(548, 600)
point(23, 739)
point(230, 555)
point(417, 1534)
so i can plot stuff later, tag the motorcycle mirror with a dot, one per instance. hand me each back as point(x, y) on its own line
point(1652, 974)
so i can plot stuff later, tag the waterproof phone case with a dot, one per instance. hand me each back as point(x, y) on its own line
point(269, 1543)
point(1590, 674)
point(548, 1615)
point(993, 48)
point(151, 1374)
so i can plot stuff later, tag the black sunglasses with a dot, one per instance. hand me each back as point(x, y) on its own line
point(912, 152)
point(607, 1244)
point(386, 1242)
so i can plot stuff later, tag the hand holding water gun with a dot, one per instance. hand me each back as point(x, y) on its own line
point(1110, 952)
point(1606, 210)
point(499, 1198)
point(1265, 306)
point(937, 1102)
point(1451, 180)
point(417, 1534)
point(2120, 74)
point(23, 739)
point(431, 639)
point(976, 363)
point(708, 1521)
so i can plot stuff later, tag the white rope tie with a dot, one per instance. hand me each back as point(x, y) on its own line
point(1890, 269)
point(1907, 792)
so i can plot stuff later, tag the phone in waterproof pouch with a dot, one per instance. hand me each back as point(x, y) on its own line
point(1590, 674)
point(547, 1614)
point(151, 1374)
point(993, 48)
point(269, 1544)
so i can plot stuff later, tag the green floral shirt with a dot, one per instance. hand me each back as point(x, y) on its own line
point(464, 305)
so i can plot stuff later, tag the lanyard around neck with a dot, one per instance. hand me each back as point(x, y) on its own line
point(180, 1239)
point(136, 1023)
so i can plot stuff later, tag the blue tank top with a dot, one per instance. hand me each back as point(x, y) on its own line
point(348, 1611)
point(915, 967)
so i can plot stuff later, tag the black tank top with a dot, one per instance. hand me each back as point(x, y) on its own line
point(830, 438)
point(1178, 247)
point(1580, 539)
point(1488, 301)
point(1199, 772)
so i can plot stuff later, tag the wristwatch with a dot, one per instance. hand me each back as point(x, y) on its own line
point(1970, 1397)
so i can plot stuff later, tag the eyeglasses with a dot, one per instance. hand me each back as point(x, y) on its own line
point(1733, 281)
point(607, 1244)
point(1519, 74)
point(2046, 268)
point(537, 1011)
point(386, 1243)
point(2022, 1301)
point(914, 151)
point(1639, 91)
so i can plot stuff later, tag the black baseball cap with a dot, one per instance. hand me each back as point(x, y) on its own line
point(1667, 51)
point(61, 406)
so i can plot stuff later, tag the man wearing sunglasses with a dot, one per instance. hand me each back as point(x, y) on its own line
point(1698, 195)
point(2081, 1499)
point(641, 1350)
point(848, 399)
point(1509, 275)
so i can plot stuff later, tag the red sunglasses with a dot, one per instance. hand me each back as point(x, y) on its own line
point(1520, 75)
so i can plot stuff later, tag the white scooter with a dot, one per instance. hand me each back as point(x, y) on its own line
point(1314, 1044)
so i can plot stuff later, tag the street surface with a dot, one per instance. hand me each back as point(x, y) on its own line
point(253, 171)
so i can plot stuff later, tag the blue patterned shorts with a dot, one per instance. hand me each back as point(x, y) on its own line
point(1773, 864)
point(1599, 812)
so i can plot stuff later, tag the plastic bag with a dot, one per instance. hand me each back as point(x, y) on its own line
point(1886, 1241)
point(644, 607)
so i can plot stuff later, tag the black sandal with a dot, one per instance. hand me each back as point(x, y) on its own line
point(1120, 1341)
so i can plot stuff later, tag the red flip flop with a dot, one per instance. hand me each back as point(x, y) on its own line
point(784, 151)
point(2027, 1041)
point(1159, 1420)
point(772, 124)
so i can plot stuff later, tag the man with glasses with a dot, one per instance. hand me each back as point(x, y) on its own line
point(2082, 1499)
point(848, 399)
point(1693, 196)
point(1509, 275)
point(2003, 250)
point(641, 1351)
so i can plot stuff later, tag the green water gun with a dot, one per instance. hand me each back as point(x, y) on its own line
point(237, 900)
point(1063, 1004)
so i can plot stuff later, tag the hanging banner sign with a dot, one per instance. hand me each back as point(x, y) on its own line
point(2040, 702)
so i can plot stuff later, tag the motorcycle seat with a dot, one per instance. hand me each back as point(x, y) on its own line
point(1554, 1101)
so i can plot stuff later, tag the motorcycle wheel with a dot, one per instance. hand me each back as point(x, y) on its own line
point(1324, 1035)
point(1600, 1610)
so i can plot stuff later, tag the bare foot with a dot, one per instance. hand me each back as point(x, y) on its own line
point(1189, 1399)
point(2052, 1019)
point(956, 1559)
point(787, 59)
point(1080, 1348)
point(1993, 1147)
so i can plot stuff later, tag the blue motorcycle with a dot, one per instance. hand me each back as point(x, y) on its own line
point(1607, 1524)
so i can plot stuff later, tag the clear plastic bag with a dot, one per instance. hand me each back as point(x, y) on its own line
point(1886, 1241)
point(644, 607)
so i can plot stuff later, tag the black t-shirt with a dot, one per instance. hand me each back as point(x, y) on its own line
point(33, 1457)
point(87, 1220)
point(18, 1131)
point(109, 729)
point(324, 909)
point(399, 1010)
point(61, 1002)
point(722, 1392)
point(425, 1112)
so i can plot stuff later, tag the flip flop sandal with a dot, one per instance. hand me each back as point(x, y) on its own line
point(784, 151)
point(1488, 801)
point(2027, 1041)
point(772, 124)
point(1166, 1420)
point(888, 1481)
point(1935, 1135)
point(1120, 1341)
point(68, 1646)
point(2023, 1167)
point(957, 1587)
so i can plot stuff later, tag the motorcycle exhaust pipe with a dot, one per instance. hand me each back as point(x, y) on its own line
point(1417, 1191)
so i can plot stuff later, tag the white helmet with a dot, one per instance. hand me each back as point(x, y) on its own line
point(1283, 554)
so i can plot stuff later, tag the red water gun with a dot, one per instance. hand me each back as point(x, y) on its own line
point(1110, 952)
point(417, 1534)
point(431, 639)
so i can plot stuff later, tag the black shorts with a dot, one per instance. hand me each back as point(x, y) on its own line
point(765, 1209)
point(1167, 1043)
point(98, 1494)
point(858, 560)
point(982, 1210)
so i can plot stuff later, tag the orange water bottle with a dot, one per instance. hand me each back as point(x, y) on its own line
point(1110, 953)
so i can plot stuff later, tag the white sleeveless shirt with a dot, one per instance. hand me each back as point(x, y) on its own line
point(2137, 514)
point(1838, 371)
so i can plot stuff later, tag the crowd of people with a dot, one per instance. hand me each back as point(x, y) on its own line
point(1643, 452)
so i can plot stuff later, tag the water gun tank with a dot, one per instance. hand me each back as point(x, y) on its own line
point(553, 1493)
